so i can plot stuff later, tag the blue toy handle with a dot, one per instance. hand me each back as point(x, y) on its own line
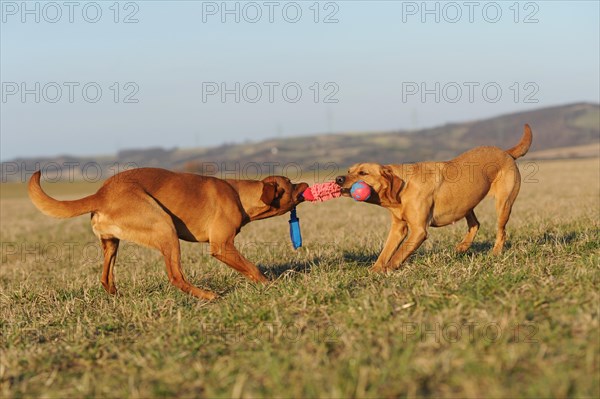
point(295, 234)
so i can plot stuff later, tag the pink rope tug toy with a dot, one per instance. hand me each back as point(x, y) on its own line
point(321, 192)
point(316, 193)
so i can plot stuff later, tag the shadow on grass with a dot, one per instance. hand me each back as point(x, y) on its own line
point(368, 259)
point(552, 236)
point(480, 247)
point(275, 271)
point(365, 259)
point(542, 239)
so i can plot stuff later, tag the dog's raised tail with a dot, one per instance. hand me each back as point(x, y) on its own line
point(56, 208)
point(521, 149)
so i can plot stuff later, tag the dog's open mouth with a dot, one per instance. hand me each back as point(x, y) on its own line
point(300, 188)
point(345, 192)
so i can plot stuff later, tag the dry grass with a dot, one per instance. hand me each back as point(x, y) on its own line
point(524, 324)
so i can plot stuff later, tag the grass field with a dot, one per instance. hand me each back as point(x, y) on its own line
point(521, 325)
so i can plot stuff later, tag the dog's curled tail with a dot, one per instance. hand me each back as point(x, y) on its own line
point(56, 208)
point(521, 149)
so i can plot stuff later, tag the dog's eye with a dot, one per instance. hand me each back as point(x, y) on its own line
point(362, 173)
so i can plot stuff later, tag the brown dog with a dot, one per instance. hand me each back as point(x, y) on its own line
point(440, 193)
point(156, 208)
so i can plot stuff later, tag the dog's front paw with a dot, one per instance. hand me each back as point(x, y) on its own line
point(377, 268)
point(462, 247)
point(390, 267)
point(260, 278)
point(111, 289)
point(210, 296)
point(497, 251)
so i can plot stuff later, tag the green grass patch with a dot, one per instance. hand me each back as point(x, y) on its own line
point(524, 324)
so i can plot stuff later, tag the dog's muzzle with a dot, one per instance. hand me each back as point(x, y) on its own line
point(300, 188)
point(340, 181)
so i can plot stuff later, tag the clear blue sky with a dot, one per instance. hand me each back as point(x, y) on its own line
point(373, 56)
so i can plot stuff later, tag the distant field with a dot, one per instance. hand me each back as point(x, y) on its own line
point(525, 324)
point(580, 151)
point(77, 187)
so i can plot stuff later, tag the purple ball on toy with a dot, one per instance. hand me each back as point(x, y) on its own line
point(360, 191)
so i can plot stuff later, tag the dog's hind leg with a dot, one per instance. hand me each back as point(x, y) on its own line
point(110, 247)
point(473, 225)
point(148, 224)
point(506, 192)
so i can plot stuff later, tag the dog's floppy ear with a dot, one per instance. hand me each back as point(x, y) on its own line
point(269, 193)
point(394, 185)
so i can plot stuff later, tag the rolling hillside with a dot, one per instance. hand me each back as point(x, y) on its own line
point(567, 131)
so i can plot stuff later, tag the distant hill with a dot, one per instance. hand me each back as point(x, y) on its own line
point(562, 131)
